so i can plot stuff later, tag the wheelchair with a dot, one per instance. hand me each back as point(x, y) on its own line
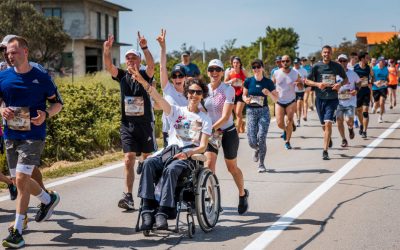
point(197, 192)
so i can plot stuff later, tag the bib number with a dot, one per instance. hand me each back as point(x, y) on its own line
point(21, 120)
point(258, 100)
point(329, 79)
point(345, 95)
point(134, 106)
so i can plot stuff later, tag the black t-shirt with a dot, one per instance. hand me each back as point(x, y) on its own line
point(135, 101)
point(363, 73)
point(322, 72)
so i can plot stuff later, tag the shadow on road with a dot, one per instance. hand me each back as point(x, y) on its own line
point(301, 171)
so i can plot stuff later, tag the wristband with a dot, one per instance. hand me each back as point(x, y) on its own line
point(144, 48)
point(47, 114)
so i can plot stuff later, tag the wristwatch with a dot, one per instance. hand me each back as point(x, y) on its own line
point(47, 114)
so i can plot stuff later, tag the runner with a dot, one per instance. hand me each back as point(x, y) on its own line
point(393, 81)
point(278, 63)
point(353, 60)
point(300, 91)
point(308, 92)
point(379, 87)
point(235, 76)
point(25, 90)
point(285, 80)
point(323, 78)
point(191, 69)
point(219, 105)
point(347, 100)
point(255, 92)
point(173, 92)
point(137, 121)
point(364, 93)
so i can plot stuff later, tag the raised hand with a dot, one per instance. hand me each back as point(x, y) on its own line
point(137, 76)
point(109, 42)
point(161, 38)
point(142, 40)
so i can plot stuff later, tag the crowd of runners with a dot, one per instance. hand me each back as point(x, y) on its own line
point(197, 117)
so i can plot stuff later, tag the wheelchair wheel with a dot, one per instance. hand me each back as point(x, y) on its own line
point(191, 229)
point(146, 233)
point(208, 200)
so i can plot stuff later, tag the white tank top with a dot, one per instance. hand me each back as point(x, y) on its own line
point(285, 85)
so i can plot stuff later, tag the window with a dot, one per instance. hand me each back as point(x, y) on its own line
point(115, 32)
point(49, 12)
point(98, 25)
point(107, 26)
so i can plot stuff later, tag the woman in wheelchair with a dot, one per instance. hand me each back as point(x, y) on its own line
point(190, 129)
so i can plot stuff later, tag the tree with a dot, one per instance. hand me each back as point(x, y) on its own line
point(46, 36)
point(390, 49)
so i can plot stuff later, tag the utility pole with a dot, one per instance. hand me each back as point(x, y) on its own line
point(260, 54)
point(204, 52)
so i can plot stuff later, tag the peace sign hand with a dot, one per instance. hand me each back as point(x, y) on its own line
point(161, 38)
point(109, 42)
point(142, 40)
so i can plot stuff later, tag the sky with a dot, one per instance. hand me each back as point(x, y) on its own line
point(318, 22)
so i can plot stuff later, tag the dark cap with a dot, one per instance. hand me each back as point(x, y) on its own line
point(296, 60)
point(257, 61)
point(278, 59)
point(178, 69)
point(303, 59)
point(185, 53)
point(312, 59)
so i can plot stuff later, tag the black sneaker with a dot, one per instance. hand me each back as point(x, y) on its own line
point(364, 135)
point(344, 143)
point(330, 143)
point(161, 221)
point(147, 220)
point(126, 202)
point(139, 168)
point(361, 129)
point(325, 155)
point(243, 203)
point(351, 133)
point(287, 145)
point(45, 211)
point(14, 240)
point(13, 191)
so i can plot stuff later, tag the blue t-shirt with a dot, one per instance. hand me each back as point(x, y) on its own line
point(380, 75)
point(273, 70)
point(307, 67)
point(29, 90)
point(191, 69)
point(255, 88)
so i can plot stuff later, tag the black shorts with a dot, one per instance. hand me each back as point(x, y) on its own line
point(286, 104)
point(394, 86)
point(138, 137)
point(299, 96)
point(229, 143)
point(238, 98)
point(378, 93)
point(363, 97)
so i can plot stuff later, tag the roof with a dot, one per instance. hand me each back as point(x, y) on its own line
point(117, 6)
point(376, 37)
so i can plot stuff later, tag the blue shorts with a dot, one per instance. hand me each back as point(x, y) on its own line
point(326, 109)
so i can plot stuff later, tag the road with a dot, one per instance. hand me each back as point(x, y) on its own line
point(353, 204)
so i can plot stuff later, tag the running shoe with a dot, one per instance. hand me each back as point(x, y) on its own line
point(14, 240)
point(374, 111)
point(13, 191)
point(380, 119)
point(305, 119)
point(325, 155)
point(364, 135)
point(243, 203)
point(45, 211)
point(356, 123)
point(287, 145)
point(256, 155)
point(361, 129)
point(298, 123)
point(344, 143)
point(261, 169)
point(391, 107)
point(351, 133)
point(126, 202)
point(283, 136)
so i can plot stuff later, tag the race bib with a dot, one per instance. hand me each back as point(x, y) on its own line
point(237, 82)
point(364, 82)
point(259, 100)
point(344, 95)
point(329, 79)
point(134, 106)
point(21, 120)
point(381, 83)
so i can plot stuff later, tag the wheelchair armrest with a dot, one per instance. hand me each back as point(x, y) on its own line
point(199, 157)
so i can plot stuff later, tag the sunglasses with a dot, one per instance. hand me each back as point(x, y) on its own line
point(342, 61)
point(214, 69)
point(256, 67)
point(285, 61)
point(197, 91)
point(177, 76)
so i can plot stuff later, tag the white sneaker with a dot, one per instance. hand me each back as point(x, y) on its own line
point(378, 110)
point(373, 111)
point(262, 169)
point(380, 120)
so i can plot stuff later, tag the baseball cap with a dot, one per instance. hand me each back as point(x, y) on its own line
point(185, 53)
point(342, 56)
point(296, 60)
point(257, 61)
point(6, 39)
point(216, 62)
point(178, 69)
point(381, 58)
point(132, 51)
point(278, 58)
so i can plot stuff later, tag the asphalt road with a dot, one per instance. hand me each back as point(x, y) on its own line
point(358, 211)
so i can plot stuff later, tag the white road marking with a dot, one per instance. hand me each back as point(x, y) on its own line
point(286, 220)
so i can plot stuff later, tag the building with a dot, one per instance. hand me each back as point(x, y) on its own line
point(88, 22)
point(373, 38)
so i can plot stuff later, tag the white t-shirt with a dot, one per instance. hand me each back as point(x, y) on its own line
point(345, 99)
point(303, 74)
point(187, 127)
point(216, 100)
point(285, 83)
point(173, 97)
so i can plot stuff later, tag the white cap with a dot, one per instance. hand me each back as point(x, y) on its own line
point(132, 51)
point(216, 62)
point(342, 56)
point(6, 39)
